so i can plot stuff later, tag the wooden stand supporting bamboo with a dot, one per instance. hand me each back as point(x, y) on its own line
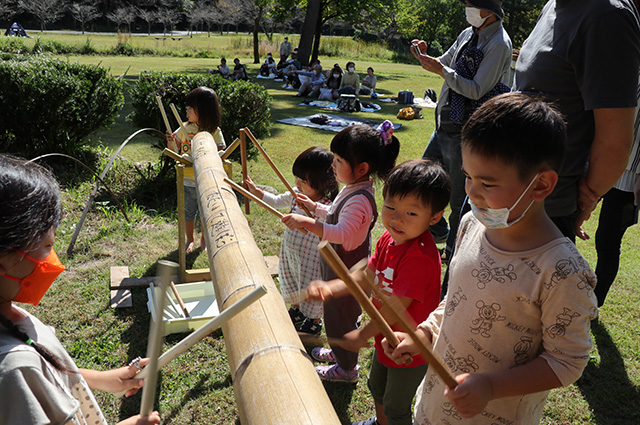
point(274, 380)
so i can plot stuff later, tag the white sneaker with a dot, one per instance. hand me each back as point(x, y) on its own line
point(285, 86)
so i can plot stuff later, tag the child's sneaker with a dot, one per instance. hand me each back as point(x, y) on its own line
point(335, 373)
point(322, 354)
point(371, 421)
point(310, 326)
point(296, 316)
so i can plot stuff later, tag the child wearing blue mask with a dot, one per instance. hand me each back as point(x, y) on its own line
point(39, 380)
point(515, 322)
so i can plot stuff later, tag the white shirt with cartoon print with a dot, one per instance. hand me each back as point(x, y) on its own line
point(504, 309)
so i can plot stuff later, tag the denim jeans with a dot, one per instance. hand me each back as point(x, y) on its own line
point(445, 149)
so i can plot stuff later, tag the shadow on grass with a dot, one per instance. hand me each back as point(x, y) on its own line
point(136, 337)
point(606, 386)
point(340, 395)
point(204, 386)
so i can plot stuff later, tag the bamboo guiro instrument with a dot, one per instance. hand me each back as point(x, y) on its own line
point(274, 380)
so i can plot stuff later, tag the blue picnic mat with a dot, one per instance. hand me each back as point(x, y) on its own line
point(335, 123)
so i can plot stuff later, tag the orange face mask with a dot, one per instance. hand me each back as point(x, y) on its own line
point(35, 285)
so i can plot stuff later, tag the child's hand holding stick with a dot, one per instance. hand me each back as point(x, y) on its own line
point(257, 200)
point(266, 157)
point(400, 316)
point(329, 254)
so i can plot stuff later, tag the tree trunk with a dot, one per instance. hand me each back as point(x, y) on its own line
point(308, 32)
point(256, 30)
point(316, 39)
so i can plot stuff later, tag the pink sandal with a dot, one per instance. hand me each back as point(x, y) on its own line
point(322, 354)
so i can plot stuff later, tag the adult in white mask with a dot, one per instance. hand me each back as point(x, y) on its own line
point(350, 83)
point(487, 46)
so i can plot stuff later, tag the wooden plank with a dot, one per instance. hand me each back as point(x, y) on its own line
point(196, 275)
point(273, 262)
point(120, 297)
point(118, 274)
point(138, 282)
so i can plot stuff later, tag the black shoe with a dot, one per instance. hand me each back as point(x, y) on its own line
point(296, 317)
point(310, 326)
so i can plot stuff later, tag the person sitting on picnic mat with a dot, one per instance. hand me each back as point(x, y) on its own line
point(222, 69)
point(350, 83)
point(269, 66)
point(311, 88)
point(239, 71)
point(330, 91)
point(40, 382)
point(369, 82)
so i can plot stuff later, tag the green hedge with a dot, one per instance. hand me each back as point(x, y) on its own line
point(244, 104)
point(48, 105)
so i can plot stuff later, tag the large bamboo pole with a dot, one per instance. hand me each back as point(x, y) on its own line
point(274, 380)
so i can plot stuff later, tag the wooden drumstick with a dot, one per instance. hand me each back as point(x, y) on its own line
point(174, 147)
point(166, 269)
point(402, 318)
point(179, 298)
point(257, 200)
point(177, 116)
point(330, 255)
point(266, 157)
point(229, 150)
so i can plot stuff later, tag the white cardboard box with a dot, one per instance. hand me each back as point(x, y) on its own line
point(199, 298)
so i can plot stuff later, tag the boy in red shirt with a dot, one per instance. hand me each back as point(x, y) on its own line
point(406, 263)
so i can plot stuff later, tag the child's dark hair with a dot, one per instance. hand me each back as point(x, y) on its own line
point(361, 143)
point(31, 204)
point(517, 129)
point(425, 179)
point(205, 101)
point(31, 207)
point(314, 166)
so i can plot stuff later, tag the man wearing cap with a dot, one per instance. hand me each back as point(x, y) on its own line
point(285, 49)
point(583, 55)
point(487, 46)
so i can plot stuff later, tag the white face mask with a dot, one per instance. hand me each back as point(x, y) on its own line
point(351, 69)
point(474, 18)
point(498, 218)
point(336, 75)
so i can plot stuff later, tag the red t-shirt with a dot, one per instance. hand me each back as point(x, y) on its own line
point(411, 270)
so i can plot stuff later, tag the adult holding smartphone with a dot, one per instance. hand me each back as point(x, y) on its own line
point(487, 46)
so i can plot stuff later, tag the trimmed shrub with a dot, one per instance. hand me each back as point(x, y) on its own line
point(244, 104)
point(48, 105)
point(13, 45)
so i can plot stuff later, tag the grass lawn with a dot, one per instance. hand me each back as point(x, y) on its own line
point(196, 388)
